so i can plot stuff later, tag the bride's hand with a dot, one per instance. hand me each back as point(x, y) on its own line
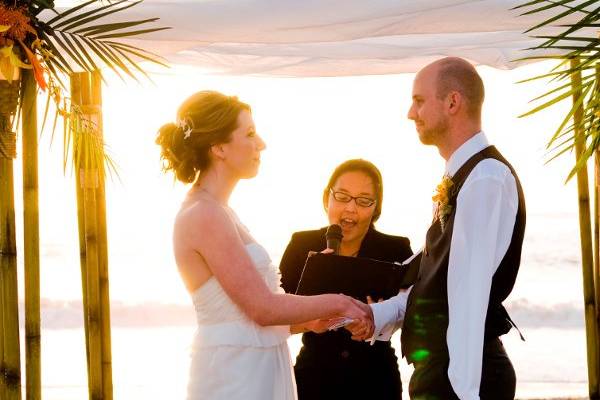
point(321, 325)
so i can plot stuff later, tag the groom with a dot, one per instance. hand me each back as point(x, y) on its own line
point(453, 315)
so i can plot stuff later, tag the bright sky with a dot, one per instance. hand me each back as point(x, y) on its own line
point(310, 125)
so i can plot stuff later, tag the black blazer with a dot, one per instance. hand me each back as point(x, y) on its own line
point(334, 354)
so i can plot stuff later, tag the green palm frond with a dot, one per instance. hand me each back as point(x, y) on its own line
point(88, 152)
point(37, 6)
point(578, 8)
point(84, 42)
point(83, 37)
point(573, 42)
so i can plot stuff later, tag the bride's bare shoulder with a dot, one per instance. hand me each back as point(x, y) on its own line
point(202, 214)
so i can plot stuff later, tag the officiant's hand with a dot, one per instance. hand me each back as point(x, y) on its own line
point(326, 251)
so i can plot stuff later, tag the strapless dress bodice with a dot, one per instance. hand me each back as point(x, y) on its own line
point(222, 322)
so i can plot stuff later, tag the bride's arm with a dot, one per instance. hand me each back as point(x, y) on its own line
point(211, 233)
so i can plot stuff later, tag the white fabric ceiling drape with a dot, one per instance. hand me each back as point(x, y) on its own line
point(334, 37)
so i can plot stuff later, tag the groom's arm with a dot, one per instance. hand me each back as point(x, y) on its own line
point(485, 217)
point(388, 316)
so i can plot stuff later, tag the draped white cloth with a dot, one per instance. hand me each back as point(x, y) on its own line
point(334, 37)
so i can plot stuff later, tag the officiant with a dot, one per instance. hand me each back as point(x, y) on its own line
point(330, 364)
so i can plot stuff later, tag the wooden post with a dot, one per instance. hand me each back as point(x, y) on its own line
point(597, 253)
point(88, 179)
point(93, 238)
point(585, 232)
point(31, 236)
point(8, 266)
point(76, 83)
point(2, 367)
point(107, 385)
point(597, 234)
point(11, 363)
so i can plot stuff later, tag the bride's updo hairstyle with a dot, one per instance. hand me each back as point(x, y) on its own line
point(203, 120)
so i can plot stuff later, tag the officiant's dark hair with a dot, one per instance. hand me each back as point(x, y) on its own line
point(203, 120)
point(366, 167)
point(456, 74)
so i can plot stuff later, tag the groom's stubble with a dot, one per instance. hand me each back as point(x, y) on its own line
point(436, 134)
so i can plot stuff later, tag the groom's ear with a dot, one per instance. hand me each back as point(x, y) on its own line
point(454, 102)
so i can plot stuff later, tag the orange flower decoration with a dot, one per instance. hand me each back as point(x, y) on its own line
point(38, 70)
point(17, 21)
point(443, 191)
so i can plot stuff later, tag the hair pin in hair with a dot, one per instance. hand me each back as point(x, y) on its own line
point(186, 125)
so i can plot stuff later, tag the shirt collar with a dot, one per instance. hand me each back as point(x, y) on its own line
point(467, 150)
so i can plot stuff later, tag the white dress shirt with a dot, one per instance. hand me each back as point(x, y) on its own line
point(486, 210)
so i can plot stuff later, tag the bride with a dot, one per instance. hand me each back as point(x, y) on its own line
point(240, 349)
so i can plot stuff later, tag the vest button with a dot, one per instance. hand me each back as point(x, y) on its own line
point(345, 354)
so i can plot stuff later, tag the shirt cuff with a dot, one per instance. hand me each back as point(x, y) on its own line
point(384, 318)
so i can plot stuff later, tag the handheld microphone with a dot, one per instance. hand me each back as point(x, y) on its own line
point(334, 238)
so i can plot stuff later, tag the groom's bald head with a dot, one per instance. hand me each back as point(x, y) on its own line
point(455, 74)
point(446, 104)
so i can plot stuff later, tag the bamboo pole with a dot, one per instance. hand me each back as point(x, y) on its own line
point(597, 234)
point(597, 253)
point(76, 83)
point(88, 178)
point(2, 370)
point(585, 232)
point(4, 124)
point(8, 264)
point(107, 384)
point(5, 113)
point(31, 236)
point(8, 248)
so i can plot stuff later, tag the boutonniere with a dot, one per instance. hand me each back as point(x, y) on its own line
point(443, 191)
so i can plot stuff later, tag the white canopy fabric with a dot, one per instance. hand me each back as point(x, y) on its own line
point(334, 37)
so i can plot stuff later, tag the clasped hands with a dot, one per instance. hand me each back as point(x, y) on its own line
point(361, 328)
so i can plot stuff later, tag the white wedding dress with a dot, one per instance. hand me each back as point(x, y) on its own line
point(233, 357)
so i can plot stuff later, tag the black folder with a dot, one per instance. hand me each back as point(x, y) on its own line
point(356, 277)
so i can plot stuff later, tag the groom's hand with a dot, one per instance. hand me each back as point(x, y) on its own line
point(362, 329)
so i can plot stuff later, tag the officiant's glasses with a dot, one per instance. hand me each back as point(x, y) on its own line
point(360, 201)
